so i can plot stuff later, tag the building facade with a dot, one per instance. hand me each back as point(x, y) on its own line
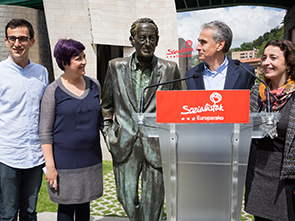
point(244, 55)
point(289, 24)
point(103, 27)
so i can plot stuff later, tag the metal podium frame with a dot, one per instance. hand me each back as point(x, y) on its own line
point(204, 165)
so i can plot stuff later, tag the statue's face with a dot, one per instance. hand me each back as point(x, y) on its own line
point(145, 41)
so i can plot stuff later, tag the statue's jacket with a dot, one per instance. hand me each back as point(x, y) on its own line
point(119, 103)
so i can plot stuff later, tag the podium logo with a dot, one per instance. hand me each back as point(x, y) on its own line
point(215, 98)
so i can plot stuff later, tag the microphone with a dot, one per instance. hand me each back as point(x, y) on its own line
point(268, 102)
point(195, 75)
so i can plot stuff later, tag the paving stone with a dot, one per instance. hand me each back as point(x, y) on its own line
point(108, 204)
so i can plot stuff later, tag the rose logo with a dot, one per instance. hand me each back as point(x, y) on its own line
point(189, 43)
point(215, 97)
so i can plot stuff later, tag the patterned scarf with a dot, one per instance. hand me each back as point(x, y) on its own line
point(280, 95)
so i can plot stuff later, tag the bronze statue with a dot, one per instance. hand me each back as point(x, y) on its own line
point(134, 153)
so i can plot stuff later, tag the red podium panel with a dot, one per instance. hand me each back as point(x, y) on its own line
point(201, 106)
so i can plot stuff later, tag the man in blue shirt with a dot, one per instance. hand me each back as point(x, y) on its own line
point(217, 72)
point(22, 84)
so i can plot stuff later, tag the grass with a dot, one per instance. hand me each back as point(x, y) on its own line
point(45, 205)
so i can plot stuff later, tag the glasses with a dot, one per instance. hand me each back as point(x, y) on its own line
point(21, 39)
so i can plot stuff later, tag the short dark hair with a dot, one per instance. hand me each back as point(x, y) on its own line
point(221, 31)
point(14, 23)
point(65, 49)
point(142, 20)
point(288, 48)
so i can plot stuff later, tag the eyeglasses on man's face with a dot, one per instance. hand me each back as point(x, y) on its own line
point(21, 39)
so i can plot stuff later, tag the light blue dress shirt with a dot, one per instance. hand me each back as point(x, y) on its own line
point(21, 90)
point(215, 80)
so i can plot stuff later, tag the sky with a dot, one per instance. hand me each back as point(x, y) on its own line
point(246, 22)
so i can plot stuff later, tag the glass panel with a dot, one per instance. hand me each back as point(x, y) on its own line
point(197, 164)
point(204, 169)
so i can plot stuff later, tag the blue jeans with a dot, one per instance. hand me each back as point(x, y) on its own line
point(19, 192)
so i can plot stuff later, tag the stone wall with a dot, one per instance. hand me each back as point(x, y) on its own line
point(111, 21)
point(107, 22)
point(70, 19)
point(92, 22)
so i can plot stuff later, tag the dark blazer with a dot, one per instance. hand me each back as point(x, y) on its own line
point(236, 77)
point(288, 167)
point(119, 103)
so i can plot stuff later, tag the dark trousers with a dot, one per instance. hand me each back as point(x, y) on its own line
point(19, 190)
point(67, 212)
point(261, 219)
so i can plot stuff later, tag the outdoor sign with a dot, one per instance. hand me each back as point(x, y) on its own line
point(203, 106)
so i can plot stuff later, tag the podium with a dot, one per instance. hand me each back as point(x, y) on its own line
point(204, 164)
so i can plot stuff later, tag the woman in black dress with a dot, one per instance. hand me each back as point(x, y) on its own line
point(270, 180)
point(69, 134)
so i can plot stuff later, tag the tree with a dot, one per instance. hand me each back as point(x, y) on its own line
point(275, 33)
point(246, 46)
point(259, 43)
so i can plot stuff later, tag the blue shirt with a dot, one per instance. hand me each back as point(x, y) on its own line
point(215, 80)
point(21, 90)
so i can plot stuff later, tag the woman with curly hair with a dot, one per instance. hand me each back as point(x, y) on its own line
point(270, 180)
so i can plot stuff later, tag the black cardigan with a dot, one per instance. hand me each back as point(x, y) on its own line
point(288, 168)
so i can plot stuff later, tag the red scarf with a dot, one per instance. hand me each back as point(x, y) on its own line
point(280, 95)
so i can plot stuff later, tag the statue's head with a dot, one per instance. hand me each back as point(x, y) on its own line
point(144, 38)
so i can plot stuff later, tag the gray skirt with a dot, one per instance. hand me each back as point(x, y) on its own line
point(77, 186)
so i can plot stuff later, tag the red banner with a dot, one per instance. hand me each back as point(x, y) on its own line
point(201, 106)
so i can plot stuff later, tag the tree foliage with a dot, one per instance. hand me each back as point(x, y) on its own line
point(259, 43)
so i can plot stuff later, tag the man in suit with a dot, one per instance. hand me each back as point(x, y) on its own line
point(217, 72)
point(133, 152)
